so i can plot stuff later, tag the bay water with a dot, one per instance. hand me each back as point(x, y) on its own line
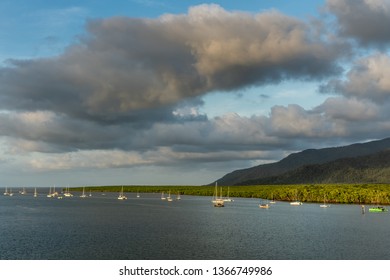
point(102, 227)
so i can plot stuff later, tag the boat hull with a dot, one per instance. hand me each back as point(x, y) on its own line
point(296, 203)
point(378, 209)
point(218, 203)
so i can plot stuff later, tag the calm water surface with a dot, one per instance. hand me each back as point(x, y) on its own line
point(102, 228)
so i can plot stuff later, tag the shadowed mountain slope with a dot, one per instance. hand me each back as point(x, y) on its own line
point(301, 159)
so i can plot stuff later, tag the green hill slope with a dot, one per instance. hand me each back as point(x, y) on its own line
point(304, 158)
point(373, 168)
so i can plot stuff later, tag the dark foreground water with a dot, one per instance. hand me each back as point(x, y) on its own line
point(102, 227)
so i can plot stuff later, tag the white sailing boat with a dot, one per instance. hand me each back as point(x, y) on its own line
point(49, 194)
point(23, 191)
point(296, 202)
point(228, 199)
point(264, 205)
point(178, 196)
point(54, 193)
point(169, 198)
point(121, 195)
point(67, 192)
point(163, 196)
point(6, 191)
point(138, 195)
point(35, 192)
point(218, 200)
point(324, 205)
point(83, 195)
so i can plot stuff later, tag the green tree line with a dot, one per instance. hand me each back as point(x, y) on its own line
point(332, 193)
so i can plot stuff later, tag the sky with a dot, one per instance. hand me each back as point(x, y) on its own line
point(144, 92)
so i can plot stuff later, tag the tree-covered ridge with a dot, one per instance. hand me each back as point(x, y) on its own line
point(373, 168)
point(254, 175)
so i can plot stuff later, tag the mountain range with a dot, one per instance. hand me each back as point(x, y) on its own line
point(357, 163)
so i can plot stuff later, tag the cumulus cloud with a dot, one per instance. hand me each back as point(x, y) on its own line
point(293, 121)
point(128, 69)
point(129, 92)
point(369, 78)
point(365, 20)
point(241, 49)
point(349, 109)
point(226, 138)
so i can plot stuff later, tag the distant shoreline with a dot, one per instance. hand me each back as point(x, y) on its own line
point(316, 193)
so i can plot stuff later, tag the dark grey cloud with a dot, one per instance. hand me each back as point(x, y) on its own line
point(124, 68)
point(58, 133)
point(367, 21)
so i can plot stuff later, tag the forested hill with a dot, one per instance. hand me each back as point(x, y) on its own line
point(373, 168)
point(265, 172)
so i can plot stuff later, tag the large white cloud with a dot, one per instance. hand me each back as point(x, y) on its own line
point(127, 69)
point(369, 78)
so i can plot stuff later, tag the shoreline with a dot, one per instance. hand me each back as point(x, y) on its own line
point(366, 194)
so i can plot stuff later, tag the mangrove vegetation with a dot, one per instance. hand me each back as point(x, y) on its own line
point(333, 193)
